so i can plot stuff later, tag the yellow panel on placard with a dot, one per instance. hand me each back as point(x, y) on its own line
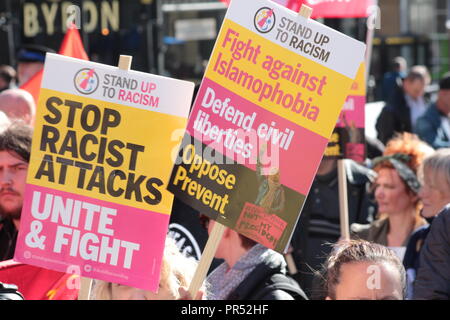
point(359, 84)
point(112, 151)
point(327, 99)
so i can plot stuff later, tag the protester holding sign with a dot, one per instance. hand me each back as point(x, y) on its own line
point(396, 193)
point(250, 271)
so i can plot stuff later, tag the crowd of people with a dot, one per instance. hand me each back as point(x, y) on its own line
point(398, 212)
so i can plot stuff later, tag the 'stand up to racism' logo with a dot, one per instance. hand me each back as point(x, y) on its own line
point(264, 20)
point(86, 81)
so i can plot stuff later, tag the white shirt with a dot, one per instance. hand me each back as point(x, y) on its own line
point(416, 107)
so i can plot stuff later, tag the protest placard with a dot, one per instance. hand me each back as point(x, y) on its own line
point(270, 98)
point(348, 138)
point(329, 8)
point(348, 141)
point(96, 198)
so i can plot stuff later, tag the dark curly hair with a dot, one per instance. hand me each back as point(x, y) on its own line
point(16, 138)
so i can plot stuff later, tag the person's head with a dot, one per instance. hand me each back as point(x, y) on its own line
point(414, 84)
point(176, 271)
point(397, 185)
point(15, 147)
point(443, 100)
point(435, 178)
point(327, 165)
point(30, 60)
point(423, 70)
point(399, 64)
point(7, 77)
point(232, 246)
point(18, 104)
point(361, 270)
point(4, 121)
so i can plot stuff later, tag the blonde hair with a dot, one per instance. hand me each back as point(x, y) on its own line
point(176, 270)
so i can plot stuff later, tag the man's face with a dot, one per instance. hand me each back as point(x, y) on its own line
point(13, 173)
point(414, 88)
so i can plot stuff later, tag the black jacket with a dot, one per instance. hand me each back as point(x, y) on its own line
point(395, 117)
point(268, 281)
point(319, 222)
point(8, 238)
point(429, 128)
point(433, 277)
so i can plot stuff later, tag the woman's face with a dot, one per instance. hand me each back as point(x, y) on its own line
point(431, 194)
point(368, 281)
point(392, 194)
point(121, 292)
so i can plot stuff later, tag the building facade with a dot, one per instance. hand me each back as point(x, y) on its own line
point(176, 37)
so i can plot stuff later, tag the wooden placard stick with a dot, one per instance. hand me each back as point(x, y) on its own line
point(292, 268)
point(206, 259)
point(343, 200)
point(305, 11)
point(85, 289)
point(369, 37)
point(125, 62)
point(86, 283)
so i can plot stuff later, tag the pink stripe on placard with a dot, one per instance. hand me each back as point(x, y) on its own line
point(294, 150)
point(353, 111)
point(103, 240)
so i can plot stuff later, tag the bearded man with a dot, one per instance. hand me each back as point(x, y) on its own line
point(15, 147)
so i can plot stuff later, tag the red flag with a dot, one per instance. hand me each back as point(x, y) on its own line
point(33, 85)
point(37, 283)
point(291, 4)
point(71, 46)
point(338, 8)
point(329, 8)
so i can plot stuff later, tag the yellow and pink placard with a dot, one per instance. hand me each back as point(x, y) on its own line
point(96, 198)
point(269, 100)
point(348, 138)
